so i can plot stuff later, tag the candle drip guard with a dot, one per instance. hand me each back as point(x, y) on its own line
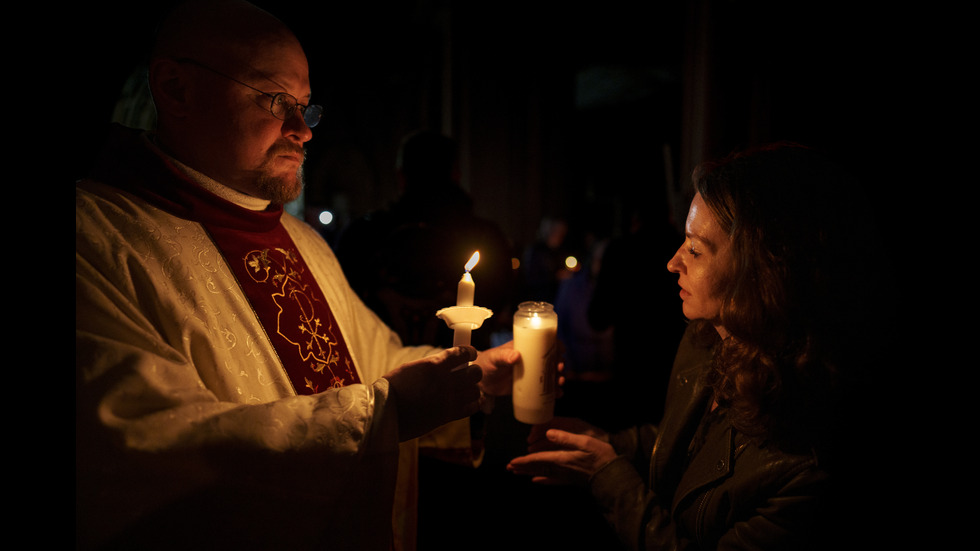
point(463, 320)
point(464, 317)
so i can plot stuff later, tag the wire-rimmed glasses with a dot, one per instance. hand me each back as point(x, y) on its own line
point(282, 105)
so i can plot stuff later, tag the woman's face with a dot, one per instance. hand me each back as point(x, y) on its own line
point(703, 264)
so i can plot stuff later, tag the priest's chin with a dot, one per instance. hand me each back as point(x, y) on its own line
point(282, 189)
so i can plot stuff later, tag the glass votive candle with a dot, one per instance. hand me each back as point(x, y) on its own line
point(535, 376)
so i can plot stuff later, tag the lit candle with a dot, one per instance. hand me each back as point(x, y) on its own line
point(465, 292)
point(535, 376)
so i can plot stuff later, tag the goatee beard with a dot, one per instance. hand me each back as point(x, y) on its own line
point(281, 190)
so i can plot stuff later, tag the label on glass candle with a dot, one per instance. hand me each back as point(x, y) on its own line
point(535, 376)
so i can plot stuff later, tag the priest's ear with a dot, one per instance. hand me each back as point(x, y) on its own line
point(170, 82)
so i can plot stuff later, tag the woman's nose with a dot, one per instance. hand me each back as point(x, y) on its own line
point(674, 264)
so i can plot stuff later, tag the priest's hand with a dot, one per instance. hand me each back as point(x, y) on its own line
point(498, 364)
point(498, 373)
point(498, 369)
point(435, 390)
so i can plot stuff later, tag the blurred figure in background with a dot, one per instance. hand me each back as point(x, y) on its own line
point(638, 302)
point(406, 260)
point(589, 352)
point(543, 262)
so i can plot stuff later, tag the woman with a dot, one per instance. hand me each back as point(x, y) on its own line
point(740, 459)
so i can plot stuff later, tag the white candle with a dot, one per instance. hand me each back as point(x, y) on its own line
point(465, 290)
point(535, 376)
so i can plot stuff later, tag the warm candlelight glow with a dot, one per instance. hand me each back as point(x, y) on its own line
point(535, 376)
point(473, 260)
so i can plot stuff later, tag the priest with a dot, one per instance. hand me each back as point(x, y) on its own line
point(231, 389)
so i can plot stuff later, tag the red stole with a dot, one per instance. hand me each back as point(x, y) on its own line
point(291, 306)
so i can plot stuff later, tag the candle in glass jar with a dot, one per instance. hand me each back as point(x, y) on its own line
point(535, 376)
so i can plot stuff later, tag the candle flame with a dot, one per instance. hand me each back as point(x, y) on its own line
point(473, 260)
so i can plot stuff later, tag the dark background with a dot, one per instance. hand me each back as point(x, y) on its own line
point(591, 111)
point(584, 113)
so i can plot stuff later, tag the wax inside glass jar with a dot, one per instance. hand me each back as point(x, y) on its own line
point(535, 377)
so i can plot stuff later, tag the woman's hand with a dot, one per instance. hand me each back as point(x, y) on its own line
point(562, 457)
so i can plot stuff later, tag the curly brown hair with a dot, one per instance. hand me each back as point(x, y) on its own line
point(788, 212)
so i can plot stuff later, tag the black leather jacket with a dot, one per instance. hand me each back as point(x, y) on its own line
point(725, 492)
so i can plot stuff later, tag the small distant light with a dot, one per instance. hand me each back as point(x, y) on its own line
point(571, 263)
point(515, 263)
point(326, 217)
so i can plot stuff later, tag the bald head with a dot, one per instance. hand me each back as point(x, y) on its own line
point(221, 32)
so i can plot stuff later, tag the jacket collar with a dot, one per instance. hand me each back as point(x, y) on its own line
point(713, 462)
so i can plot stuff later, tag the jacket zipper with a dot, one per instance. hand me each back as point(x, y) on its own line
point(699, 519)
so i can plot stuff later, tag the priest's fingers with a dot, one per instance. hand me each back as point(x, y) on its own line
point(435, 390)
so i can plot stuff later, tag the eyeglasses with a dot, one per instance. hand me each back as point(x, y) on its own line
point(282, 106)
